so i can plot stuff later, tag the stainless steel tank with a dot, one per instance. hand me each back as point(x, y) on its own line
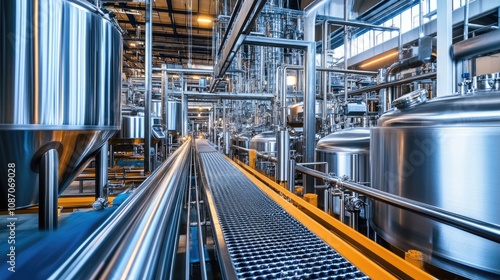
point(340, 149)
point(133, 126)
point(347, 153)
point(242, 140)
point(60, 83)
point(264, 142)
point(444, 152)
point(297, 111)
point(174, 118)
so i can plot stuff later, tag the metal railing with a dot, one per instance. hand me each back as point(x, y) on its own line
point(139, 240)
point(474, 226)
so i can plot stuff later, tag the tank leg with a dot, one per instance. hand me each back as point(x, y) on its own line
point(48, 190)
point(101, 179)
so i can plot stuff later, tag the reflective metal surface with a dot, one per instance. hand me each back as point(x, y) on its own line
point(140, 238)
point(242, 140)
point(282, 155)
point(347, 153)
point(264, 142)
point(488, 81)
point(132, 127)
point(443, 153)
point(297, 111)
point(337, 149)
point(60, 80)
point(174, 118)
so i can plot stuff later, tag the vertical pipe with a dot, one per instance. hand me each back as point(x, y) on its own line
point(346, 45)
point(342, 207)
point(111, 152)
point(446, 72)
point(291, 176)
point(324, 81)
point(101, 173)
point(421, 20)
point(164, 95)
point(283, 97)
point(354, 177)
point(465, 62)
point(48, 190)
point(224, 124)
point(309, 115)
point(148, 72)
point(283, 155)
point(184, 104)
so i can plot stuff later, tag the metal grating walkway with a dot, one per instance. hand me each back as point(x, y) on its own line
point(263, 240)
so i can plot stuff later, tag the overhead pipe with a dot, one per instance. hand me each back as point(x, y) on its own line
point(348, 71)
point(140, 238)
point(480, 228)
point(148, 86)
point(425, 76)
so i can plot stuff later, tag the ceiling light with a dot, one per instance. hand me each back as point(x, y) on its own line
point(132, 44)
point(204, 19)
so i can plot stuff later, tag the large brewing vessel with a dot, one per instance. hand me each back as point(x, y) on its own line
point(265, 143)
point(444, 152)
point(60, 83)
point(347, 153)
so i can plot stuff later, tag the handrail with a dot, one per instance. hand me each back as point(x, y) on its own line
point(477, 227)
point(140, 238)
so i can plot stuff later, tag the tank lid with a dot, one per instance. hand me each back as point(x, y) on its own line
point(411, 99)
point(347, 140)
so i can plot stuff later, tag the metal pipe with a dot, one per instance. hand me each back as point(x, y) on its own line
point(477, 227)
point(309, 114)
point(283, 155)
point(148, 85)
point(48, 190)
point(283, 90)
point(465, 62)
point(340, 22)
point(395, 83)
point(101, 178)
point(346, 45)
point(230, 96)
point(203, 269)
point(185, 118)
point(291, 176)
point(348, 71)
point(324, 82)
point(164, 96)
point(354, 177)
point(309, 94)
point(140, 238)
point(184, 70)
point(421, 20)
point(187, 263)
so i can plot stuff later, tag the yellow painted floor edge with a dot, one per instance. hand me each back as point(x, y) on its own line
point(365, 264)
